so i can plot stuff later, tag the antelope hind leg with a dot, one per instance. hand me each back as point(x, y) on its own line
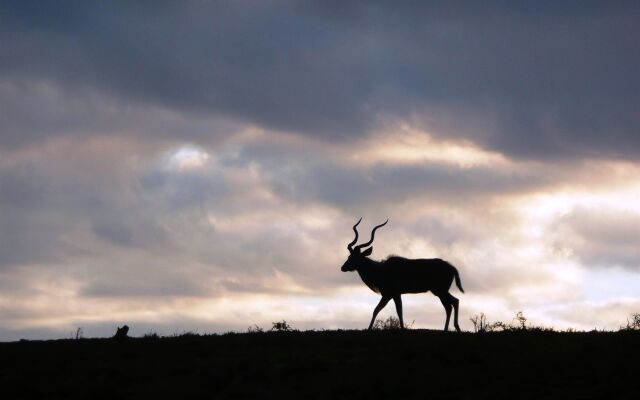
point(447, 307)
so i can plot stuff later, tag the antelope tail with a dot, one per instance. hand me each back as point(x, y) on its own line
point(457, 276)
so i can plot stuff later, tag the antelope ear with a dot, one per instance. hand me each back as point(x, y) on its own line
point(367, 252)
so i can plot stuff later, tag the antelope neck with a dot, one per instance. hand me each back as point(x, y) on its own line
point(368, 263)
point(369, 271)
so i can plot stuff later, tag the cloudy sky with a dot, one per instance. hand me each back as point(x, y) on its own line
point(198, 165)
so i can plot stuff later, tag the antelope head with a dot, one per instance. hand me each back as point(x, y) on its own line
point(356, 254)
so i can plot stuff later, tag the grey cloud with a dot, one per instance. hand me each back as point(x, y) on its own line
point(47, 215)
point(125, 228)
point(184, 189)
point(158, 285)
point(22, 186)
point(445, 232)
point(117, 234)
point(36, 109)
point(118, 220)
point(601, 237)
point(26, 228)
point(133, 227)
point(530, 81)
point(359, 187)
point(27, 238)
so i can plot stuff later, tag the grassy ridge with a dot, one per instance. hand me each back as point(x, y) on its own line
point(330, 364)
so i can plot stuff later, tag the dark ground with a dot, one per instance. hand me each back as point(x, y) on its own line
point(326, 365)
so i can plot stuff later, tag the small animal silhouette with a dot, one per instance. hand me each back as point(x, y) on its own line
point(398, 275)
point(121, 333)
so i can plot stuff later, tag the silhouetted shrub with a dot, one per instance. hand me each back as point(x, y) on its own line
point(499, 326)
point(390, 323)
point(480, 323)
point(633, 324)
point(281, 326)
point(521, 320)
point(255, 329)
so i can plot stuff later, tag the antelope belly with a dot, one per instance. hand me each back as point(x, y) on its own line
point(412, 278)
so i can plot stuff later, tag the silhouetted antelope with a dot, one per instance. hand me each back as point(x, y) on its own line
point(398, 275)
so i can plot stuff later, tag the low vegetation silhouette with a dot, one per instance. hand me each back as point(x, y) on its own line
point(395, 276)
point(519, 323)
point(390, 323)
point(279, 326)
point(513, 359)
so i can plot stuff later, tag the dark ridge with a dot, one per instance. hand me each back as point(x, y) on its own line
point(330, 364)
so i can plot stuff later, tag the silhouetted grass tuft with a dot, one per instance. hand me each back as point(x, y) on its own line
point(255, 329)
point(151, 336)
point(390, 323)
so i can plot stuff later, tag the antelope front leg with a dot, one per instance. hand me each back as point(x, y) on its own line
point(383, 302)
point(398, 300)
